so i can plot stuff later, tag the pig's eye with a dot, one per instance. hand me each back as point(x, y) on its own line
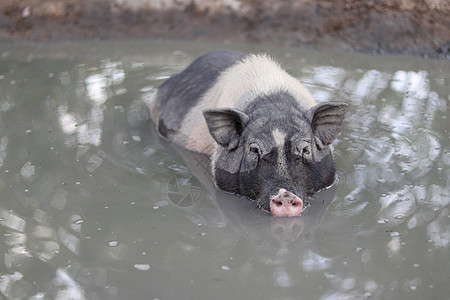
point(306, 150)
point(253, 151)
point(303, 152)
point(307, 156)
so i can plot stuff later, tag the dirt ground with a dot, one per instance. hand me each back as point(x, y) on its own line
point(416, 27)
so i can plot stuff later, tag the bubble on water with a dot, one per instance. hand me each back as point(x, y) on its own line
point(225, 268)
point(382, 221)
point(136, 138)
point(113, 243)
point(395, 234)
point(78, 221)
point(142, 267)
point(155, 207)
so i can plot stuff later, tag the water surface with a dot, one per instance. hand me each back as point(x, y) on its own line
point(93, 205)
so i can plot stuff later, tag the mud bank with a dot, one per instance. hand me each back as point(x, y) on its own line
point(416, 27)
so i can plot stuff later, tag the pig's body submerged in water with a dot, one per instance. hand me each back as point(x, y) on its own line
point(268, 138)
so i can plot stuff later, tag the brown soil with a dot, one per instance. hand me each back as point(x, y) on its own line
point(418, 27)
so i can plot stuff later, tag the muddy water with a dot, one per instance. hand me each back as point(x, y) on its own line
point(93, 205)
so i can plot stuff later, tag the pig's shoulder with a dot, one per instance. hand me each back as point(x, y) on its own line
point(182, 92)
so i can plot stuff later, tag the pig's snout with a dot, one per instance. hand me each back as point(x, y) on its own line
point(285, 204)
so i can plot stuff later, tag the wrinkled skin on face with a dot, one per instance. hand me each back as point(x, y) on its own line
point(274, 152)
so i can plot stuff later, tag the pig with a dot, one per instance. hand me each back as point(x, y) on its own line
point(267, 138)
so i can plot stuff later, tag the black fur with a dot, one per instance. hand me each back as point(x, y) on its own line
point(258, 179)
point(245, 159)
point(181, 92)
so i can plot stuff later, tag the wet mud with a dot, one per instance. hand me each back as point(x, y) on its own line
point(419, 27)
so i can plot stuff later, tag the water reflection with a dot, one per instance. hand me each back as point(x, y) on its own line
point(92, 206)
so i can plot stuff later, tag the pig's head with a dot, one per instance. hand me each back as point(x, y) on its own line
point(276, 157)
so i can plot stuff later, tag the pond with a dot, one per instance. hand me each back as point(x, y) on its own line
point(95, 205)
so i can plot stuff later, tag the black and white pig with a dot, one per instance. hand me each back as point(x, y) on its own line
point(267, 137)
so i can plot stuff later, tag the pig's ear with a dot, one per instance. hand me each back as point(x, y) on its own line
point(226, 125)
point(326, 120)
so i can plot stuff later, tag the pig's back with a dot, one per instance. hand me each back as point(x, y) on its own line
point(182, 92)
point(219, 79)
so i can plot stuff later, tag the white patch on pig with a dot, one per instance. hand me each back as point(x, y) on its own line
point(280, 138)
point(256, 75)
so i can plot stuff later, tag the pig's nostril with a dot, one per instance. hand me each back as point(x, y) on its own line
point(277, 203)
point(285, 204)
